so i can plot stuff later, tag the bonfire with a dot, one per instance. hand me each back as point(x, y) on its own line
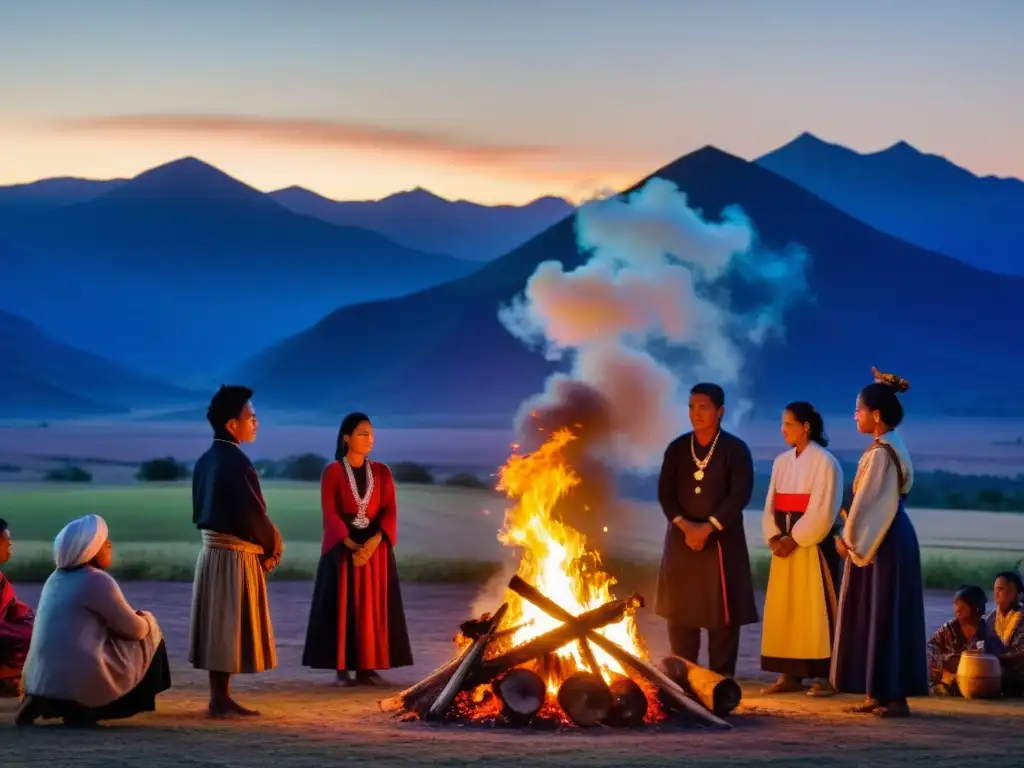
point(562, 649)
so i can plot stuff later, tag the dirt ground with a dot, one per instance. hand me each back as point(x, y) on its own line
point(308, 721)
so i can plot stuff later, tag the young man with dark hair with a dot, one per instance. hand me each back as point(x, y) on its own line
point(707, 478)
point(231, 628)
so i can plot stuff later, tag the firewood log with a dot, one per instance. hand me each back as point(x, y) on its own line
point(585, 698)
point(429, 686)
point(718, 694)
point(522, 692)
point(667, 686)
point(469, 662)
point(549, 642)
point(418, 698)
point(630, 703)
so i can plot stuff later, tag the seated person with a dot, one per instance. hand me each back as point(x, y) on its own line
point(1005, 622)
point(965, 632)
point(92, 656)
point(15, 626)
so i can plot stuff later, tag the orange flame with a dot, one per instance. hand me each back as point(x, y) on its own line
point(555, 558)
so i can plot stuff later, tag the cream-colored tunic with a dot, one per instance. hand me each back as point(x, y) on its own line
point(876, 500)
point(88, 644)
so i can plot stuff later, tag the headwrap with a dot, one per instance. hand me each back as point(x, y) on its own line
point(79, 541)
point(891, 380)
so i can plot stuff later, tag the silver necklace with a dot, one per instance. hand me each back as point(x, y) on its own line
point(701, 463)
point(362, 502)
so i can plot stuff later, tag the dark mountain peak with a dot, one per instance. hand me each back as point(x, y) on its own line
point(551, 204)
point(807, 145)
point(808, 139)
point(708, 158)
point(187, 177)
point(902, 148)
point(298, 194)
point(416, 196)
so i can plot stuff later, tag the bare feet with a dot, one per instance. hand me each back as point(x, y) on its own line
point(821, 688)
point(228, 709)
point(785, 684)
point(867, 708)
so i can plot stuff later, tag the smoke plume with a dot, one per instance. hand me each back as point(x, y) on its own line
point(665, 299)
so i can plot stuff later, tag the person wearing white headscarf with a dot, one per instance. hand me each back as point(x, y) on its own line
point(79, 541)
point(92, 657)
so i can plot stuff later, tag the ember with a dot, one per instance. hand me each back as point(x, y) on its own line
point(561, 649)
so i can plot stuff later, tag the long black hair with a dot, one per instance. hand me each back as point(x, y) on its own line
point(348, 426)
point(805, 413)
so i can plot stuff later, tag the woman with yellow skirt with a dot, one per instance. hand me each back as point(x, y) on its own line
point(800, 511)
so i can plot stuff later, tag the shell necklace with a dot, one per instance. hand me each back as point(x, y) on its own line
point(702, 463)
point(362, 502)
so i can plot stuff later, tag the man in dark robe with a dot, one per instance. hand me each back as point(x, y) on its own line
point(231, 630)
point(705, 582)
point(16, 620)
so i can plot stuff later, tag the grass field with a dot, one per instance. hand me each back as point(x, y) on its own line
point(445, 534)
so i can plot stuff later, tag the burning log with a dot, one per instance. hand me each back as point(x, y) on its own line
point(718, 694)
point(522, 693)
point(419, 697)
point(585, 698)
point(466, 666)
point(549, 642)
point(630, 705)
point(667, 686)
point(476, 628)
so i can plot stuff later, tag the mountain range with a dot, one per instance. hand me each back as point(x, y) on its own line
point(924, 199)
point(187, 274)
point(441, 354)
point(421, 220)
point(183, 270)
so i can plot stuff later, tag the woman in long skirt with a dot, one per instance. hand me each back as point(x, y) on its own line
point(800, 512)
point(356, 621)
point(880, 638)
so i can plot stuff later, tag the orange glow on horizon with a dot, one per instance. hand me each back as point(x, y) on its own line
point(338, 172)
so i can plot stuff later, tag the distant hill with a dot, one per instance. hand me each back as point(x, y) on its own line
point(44, 378)
point(442, 355)
point(19, 200)
point(422, 220)
point(184, 271)
point(924, 199)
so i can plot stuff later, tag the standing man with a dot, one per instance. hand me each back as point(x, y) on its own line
point(707, 478)
point(231, 628)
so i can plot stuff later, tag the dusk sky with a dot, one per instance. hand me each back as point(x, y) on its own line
point(496, 101)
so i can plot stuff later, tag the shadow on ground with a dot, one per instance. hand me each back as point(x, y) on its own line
point(305, 725)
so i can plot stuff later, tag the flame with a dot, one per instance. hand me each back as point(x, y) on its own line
point(556, 559)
